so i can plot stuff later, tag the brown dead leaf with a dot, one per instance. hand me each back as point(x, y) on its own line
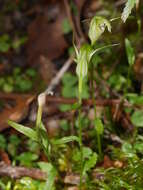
point(138, 67)
point(1, 67)
point(118, 164)
point(73, 188)
point(4, 157)
point(110, 163)
point(126, 122)
point(116, 112)
point(72, 179)
point(52, 127)
point(46, 37)
point(97, 175)
point(46, 69)
point(107, 162)
point(16, 110)
point(121, 117)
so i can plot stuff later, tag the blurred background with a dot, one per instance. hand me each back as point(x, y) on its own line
point(36, 44)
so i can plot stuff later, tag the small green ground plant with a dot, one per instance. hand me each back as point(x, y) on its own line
point(18, 81)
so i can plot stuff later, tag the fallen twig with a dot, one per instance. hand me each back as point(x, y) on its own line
point(70, 18)
point(55, 81)
point(16, 172)
point(89, 102)
point(119, 3)
point(80, 5)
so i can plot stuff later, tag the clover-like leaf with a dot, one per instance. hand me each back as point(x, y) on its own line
point(97, 27)
point(99, 126)
point(137, 118)
point(51, 174)
point(90, 163)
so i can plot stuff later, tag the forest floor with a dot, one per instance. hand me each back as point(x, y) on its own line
point(96, 144)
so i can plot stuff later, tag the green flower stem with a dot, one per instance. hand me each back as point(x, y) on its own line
point(94, 103)
point(135, 134)
point(128, 82)
point(80, 90)
point(81, 148)
point(80, 140)
point(128, 77)
point(126, 87)
point(47, 153)
point(92, 88)
point(138, 18)
point(99, 146)
point(38, 123)
point(39, 117)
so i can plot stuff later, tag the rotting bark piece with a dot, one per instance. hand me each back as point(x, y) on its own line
point(16, 172)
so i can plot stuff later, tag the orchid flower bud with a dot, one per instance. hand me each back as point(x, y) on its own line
point(82, 59)
point(41, 99)
point(97, 27)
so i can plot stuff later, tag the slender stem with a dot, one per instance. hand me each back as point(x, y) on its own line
point(128, 79)
point(94, 103)
point(38, 122)
point(80, 140)
point(39, 117)
point(128, 82)
point(92, 80)
point(48, 154)
point(126, 88)
point(99, 146)
point(138, 18)
point(92, 88)
point(81, 148)
point(134, 135)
